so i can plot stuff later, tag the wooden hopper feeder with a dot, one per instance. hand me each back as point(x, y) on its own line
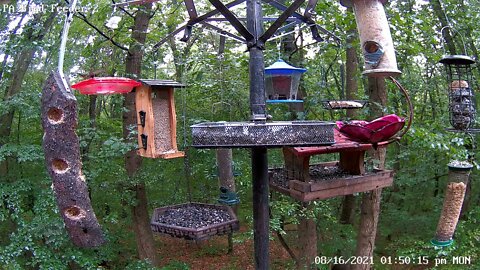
point(282, 81)
point(375, 37)
point(156, 118)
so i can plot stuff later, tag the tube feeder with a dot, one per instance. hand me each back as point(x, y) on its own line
point(458, 69)
point(156, 118)
point(458, 173)
point(375, 38)
point(282, 81)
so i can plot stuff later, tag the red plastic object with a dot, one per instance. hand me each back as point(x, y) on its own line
point(106, 86)
point(378, 130)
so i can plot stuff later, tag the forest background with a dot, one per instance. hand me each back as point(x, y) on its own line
point(32, 235)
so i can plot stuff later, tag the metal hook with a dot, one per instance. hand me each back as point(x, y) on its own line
point(458, 33)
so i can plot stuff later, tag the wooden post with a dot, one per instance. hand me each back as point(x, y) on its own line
point(226, 179)
point(307, 237)
point(62, 157)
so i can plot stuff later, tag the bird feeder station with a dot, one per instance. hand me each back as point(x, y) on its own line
point(375, 38)
point(458, 69)
point(156, 118)
point(282, 81)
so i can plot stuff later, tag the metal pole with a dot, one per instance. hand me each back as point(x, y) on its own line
point(259, 154)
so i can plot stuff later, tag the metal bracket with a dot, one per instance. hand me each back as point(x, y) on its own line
point(187, 33)
point(142, 114)
point(144, 141)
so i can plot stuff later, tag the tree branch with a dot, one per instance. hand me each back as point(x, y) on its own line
point(124, 10)
point(82, 17)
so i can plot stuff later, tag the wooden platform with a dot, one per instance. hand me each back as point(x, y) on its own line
point(303, 187)
point(319, 189)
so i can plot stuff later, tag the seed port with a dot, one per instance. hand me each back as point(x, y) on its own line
point(371, 46)
point(55, 115)
point(60, 166)
point(74, 212)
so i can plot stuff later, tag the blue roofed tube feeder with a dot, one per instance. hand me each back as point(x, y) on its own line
point(282, 81)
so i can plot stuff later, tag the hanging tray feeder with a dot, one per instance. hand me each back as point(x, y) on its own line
point(343, 104)
point(380, 129)
point(386, 128)
point(194, 221)
point(106, 86)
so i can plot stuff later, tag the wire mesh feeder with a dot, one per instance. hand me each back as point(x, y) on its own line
point(270, 134)
point(194, 221)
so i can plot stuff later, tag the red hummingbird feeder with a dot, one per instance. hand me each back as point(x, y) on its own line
point(106, 86)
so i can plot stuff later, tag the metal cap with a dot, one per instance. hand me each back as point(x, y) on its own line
point(280, 67)
point(457, 60)
point(348, 3)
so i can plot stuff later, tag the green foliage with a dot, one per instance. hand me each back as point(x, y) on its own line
point(32, 234)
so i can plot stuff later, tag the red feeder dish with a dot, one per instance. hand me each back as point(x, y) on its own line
point(378, 130)
point(106, 86)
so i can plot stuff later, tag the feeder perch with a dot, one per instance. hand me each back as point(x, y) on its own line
point(156, 119)
point(375, 38)
point(105, 86)
point(462, 110)
point(282, 81)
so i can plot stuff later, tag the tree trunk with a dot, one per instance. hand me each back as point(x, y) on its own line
point(226, 179)
point(440, 13)
point(349, 201)
point(141, 220)
point(370, 208)
point(307, 238)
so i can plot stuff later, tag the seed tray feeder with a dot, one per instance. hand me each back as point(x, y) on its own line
point(269, 134)
point(328, 186)
point(281, 82)
point(201, 233)
point(156, 119)
point(106, 86)
point(343, 104)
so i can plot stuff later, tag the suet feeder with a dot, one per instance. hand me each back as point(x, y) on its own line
point(156, 119)
point(461, 95)
point(375, 38)
point(282, 81)
point(105, 86)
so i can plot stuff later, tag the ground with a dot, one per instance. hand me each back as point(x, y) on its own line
point(212, 254)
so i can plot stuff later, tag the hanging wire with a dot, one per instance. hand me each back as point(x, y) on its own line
point(442, 32)
point(186, 161)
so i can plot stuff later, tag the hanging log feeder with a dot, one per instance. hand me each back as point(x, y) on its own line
point(375, 38)
point(156, 118)
point(62, 158)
